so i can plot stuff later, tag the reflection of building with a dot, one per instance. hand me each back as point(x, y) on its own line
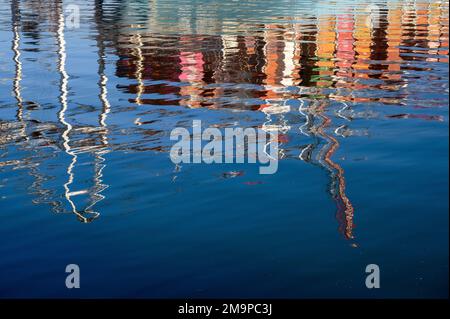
point(341, 56)
point(182, 58)
point(342, 51)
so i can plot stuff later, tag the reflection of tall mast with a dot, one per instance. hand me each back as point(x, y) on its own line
point(31, 162)
point(62, 117)
point(106, 107)
point(103, 96)
point(15, 15)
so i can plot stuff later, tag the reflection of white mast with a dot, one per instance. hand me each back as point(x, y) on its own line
point(62, 117)
point(18, 65)
point(106, 108)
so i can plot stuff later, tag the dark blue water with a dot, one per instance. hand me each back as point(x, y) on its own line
point(359, 97)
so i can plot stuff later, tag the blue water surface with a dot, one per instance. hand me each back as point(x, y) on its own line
point(357, 91)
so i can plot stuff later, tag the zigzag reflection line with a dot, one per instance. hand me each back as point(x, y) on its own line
point(18, 66)
point(62, 117)
point(337, 172)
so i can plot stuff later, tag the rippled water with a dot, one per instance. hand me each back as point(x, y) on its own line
point(358, 91)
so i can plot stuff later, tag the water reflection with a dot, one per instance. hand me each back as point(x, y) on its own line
point(87, 145)
point(308, 73)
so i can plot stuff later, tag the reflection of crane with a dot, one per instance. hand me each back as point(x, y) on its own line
point(345, 209)
point(344, 206)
